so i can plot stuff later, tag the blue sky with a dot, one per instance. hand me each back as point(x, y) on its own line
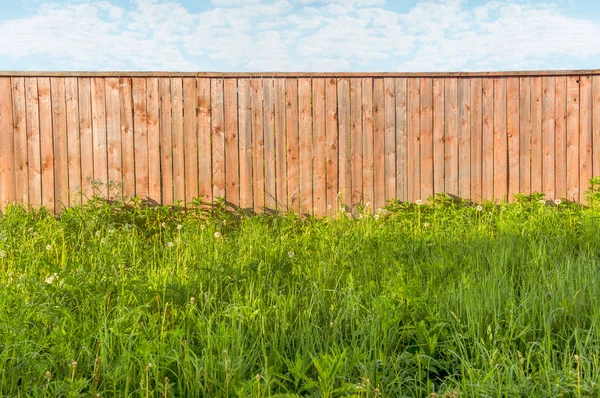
point(299, 35)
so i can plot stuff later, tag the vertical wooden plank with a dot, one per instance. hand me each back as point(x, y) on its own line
point(258, 144)
point(585, 140)
point(487, 139)
point(190, 139)
point(127, 143)
point(439, 123)
point(232, 171)
point(426, 137)
point(73, 146)
point(401, 139)
point(269, 132)
point(245, 139)
point(451, 137)
point(536, 134)
point(356, 141)
point(464, 141)
point(413, 152)
point(331, 139)
point(20, 140)
point(378, 143)
point(319, 147)
point(500, 140)
point(305, 142)
point(153, 106)
point(113, 137)
point(367, 127)
point(46, 150)
point(280, 145)
point(560, 92)
point(177, 140)
point(86, 139)
point(389, 138)
point(294, 198)
point(525, 135)
point(548, 132)
point(476, 138)
point(59, 141)
point(204, 141)
point(512, 129)
point(573, 138)
point(7, 154)
point(345, 167)
point(596, 125)
point(166, 141)
point(140, 137)
point(218, 137)
point(99, 135)
point(33, 142)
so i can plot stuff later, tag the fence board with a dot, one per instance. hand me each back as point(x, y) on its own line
point(113, 137)
point(595, 125)
point(47, 157)
point(86, 139)
point(548, 136)
point(73, 145)
point(331, 140)
point(525, 135)
point(190, 139)
point(378, 144)
point(232, 171)
point(218, 138)
point(166, 150)
point(7, 153)
point(19, 124)
point(177, 140)
point(345, 166)
point(140, 137)
point(401, 139)
point(245, 139)
point(356, 141)
point(413, 150)
point(464, 138)
point(258, 145)
point(280, 145)
point(319, 148)
point(367, 130)
point(390, 138)
point(536, 135)
point(59, 143)
point(439, 124)
point(451, 137)
point(305, 142)
point(487, 154)
point(99, 135)
point(293, 145)
point(127, 141)
point(500, 140)
point(426, 134)
point(560, 158)
point(512, 129)
point(585, 140)
point(573, 138)
point(476, 138)
point(204, 141)
point(33, 142)
point(269, 132)
point(154, 158)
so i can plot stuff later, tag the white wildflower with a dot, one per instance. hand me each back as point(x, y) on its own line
point(103, 240)
point(557, 201)
point(419, 202)
point(542, 201)
point(291, 254)
point(97, 233)
point(48, 247)
point(111, 231)
point(217, 235)
point(49, 280)
point(202, 226)
point(426, 225)
point(179, 227)
point(479, 207)
point(170, 244)
point(164, 225)
point(376, 216)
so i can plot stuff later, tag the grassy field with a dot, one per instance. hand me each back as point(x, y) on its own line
point(441, 300)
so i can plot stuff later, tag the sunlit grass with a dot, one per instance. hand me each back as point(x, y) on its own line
point(444, 298)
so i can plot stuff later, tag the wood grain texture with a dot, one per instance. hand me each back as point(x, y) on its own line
point(525, 135)
point(258, 145)
point(451, 136)
point(140, 138)
point(548, 136)
point(595, 125)
point(99, 136)
point(127, 140)
point(586, 136)
point(319, 148)
point(573, 138)
point(293, 119)
point(464, 138)
point(487, 142)
point(113, 138)
point(46, 143)
point(218, 138)
point(500, 141)
point(331, 140)
point(439, 123)
point(345, 166)
point(190, 139)
point(389, 86)
point(356, 142)
point(19, 124)
point(536, 135)
point(426, 134)
point(245, 143)
point(476, 139)
point(86, 139)
point(154, 157)
point(367, 131)
point(166, 147)
point(269, 132)
point(512, 130)
point(280, 144)
point(204, 141)
point(232, 170)
point(33, 142)
point(413, 151)
point(177, 141)
point(305, 147)
point(560, 155)
point(73, 143)
point(401, 139)
point(378, 144)
point(7, 149)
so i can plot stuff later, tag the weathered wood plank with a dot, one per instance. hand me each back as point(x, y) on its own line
point(356, 141)
point(500, 141)
point(378, 144)
point(560, 157)
point(464, 138)
point(487, 139)
point(218, 137)
point(319, 148)
point(46, 149)
point(536, 135)
point(512, 129)
point(280, 145)
point(153, 110)
point(401, 139)
point(439, 124)
point(548, 136)
point(86, 139)
point(113, 138)
point(258, 144)
point(573, 138)
point(413, 151)
point(585, 140)
point(426, 134)
point(190, 139)
point(367, 128)
point(525, 135)
point(245, 143)
point(232, 171)
point(7, 149)
point(269, 132)
point(127, 139)
point(331, 140)
point(595, 124)
point(294, 172)
point(204, 141)
point(33, 142)
point(73, 144)
point(99, 135)
point(20, 140)
point(345, 167)
point(177, 140)
point(476, 138)
point(389, 85)
point(140, 138)
point(166, 141)
point(305, 148)
point(451, 137)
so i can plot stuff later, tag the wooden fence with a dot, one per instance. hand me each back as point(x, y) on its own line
point(298, 141)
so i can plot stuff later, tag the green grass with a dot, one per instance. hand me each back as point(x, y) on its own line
point(114, 300)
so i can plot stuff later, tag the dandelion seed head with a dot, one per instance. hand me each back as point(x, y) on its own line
point(164, 225)
point(73, 363)
point(202, 226)
point(557, 201)
point(111, 231)
point(419, 202)
point(170, 244)
point(217, 235)
point(192, 300)
point(291, 254)
point(376, 216)
point(2, 253)
point(103, 240)
point(542, 202)
point(50, 280)
point(179, 227)
point(479, 208)
point(426, 225)
point(48, 247)
point(97, 233)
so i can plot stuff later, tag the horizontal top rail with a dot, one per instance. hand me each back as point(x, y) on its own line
point(300, 74)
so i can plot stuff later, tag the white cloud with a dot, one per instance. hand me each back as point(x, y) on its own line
point(299, 35)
